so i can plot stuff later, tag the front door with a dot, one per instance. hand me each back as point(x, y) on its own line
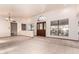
point(41, 29)
point(13, 29)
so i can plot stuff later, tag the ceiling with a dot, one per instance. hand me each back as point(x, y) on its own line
point(28, 10)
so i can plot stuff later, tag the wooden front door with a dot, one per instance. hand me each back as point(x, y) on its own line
point(41, 29)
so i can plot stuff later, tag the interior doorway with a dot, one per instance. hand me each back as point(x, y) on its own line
point(13, 29)
point(41, 29)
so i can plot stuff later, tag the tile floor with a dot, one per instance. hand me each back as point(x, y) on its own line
point(37, 45)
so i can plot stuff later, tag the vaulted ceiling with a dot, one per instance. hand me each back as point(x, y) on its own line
point(28, 10)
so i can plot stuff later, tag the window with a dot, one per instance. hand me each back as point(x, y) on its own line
point(63, 27)
point(54, 28)
point(31, 27)
point(23, 26)
point(54, 23)
point(59, 27)
point(41, 26)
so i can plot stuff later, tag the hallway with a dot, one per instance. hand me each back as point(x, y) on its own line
point(37, 45)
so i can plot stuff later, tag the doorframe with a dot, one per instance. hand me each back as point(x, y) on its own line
point(11, 27)
point(43, 27)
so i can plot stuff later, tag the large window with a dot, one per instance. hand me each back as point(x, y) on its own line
point(59, 27)
point(63, 27)
point(23, 27)
point(54, 28)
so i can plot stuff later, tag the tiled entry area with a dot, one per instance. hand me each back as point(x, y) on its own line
point(37, 45)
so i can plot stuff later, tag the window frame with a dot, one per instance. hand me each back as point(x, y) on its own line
point(23, 27)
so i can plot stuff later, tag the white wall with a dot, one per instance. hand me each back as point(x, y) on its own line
point(58, 15)
point(27, 32)
point(4, 27)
